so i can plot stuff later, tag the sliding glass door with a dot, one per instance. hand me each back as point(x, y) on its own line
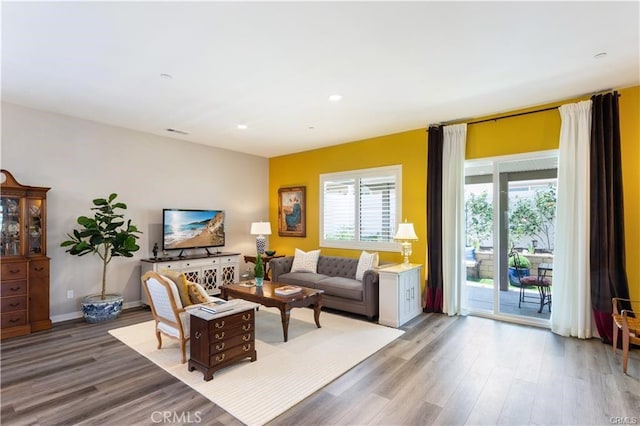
point(510, 207)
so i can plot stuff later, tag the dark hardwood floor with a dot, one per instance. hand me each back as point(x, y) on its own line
point(443, 370)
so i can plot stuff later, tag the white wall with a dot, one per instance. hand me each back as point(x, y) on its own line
point(82, 160)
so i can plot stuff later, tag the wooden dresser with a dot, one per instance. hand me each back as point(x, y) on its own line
point(24, 284)
point(218, 340)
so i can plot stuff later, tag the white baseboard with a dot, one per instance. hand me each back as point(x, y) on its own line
point(78, 314)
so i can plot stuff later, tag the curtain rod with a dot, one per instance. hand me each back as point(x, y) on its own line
point(616, 94)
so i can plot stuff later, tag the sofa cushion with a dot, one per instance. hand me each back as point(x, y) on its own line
point(303, 279)
point(305, 261)
point(341, 287)
point(366, 261)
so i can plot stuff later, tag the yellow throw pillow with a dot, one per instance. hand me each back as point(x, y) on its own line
point(197, 293)
point(181, 283)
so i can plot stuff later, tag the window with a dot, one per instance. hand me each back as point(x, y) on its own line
point(359, 209)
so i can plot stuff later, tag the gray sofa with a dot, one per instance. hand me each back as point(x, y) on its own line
point(336, 276)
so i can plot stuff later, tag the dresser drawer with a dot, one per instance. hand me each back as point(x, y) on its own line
point(231, 321)
point(240, 339)
point(232, 354)
point(39, 268)
point(11, 304)
point(14, 271)
point(13, 319)
point(15, 288)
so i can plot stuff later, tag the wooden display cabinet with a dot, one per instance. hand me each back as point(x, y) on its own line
point(24, 285)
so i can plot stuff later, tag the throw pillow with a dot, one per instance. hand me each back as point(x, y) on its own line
point(197, 293)
point(174, 291)
point(181, 283)
point(305, 261)
point(366, 261)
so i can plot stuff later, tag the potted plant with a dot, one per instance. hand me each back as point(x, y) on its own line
point(524, 265)
point(258, 270)
point(106, 235)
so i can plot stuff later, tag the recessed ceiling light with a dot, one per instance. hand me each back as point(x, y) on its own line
point(335, 97)
point(180, 132)
point(310, 127)
point(600, 55)
point(242, 126)
point(166, 76)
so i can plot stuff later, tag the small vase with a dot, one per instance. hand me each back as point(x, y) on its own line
point(259, 281)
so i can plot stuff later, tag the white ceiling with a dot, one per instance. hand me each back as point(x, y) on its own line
point(272, 66)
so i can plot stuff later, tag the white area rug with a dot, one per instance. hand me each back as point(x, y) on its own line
point(284, 373)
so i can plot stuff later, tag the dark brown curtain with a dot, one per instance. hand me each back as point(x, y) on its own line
point(433, 289)
point(608, 275)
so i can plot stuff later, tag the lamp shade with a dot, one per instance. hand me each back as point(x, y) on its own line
point(405, 232)
point(260, 228)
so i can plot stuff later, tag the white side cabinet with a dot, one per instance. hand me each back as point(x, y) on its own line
point(210, 272)
point(400, 296)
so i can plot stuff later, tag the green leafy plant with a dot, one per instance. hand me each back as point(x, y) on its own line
point(534, 217)
point(479, 218)
point(106, 234)
point(258, 270)
point(523, 261)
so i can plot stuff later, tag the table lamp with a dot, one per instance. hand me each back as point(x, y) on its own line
point(405, 235)
point(260, 229)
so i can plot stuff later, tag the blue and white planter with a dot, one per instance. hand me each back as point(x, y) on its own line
point(513, 275)
point(95, 309)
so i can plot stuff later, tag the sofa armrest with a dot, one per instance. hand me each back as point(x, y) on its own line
point(279, 266)
point(371, 296)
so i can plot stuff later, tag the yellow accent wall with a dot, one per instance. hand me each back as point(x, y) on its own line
point(305, 168)
point(526, 133)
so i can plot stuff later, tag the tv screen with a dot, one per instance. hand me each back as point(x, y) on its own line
point(187, 229)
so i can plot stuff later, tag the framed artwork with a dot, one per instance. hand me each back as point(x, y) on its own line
point(292, 212)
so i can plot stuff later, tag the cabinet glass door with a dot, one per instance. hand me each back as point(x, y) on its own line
point(11, 226)
point(34, 226)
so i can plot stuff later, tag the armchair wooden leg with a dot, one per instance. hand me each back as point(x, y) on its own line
point(625, 350)
point(615, 336)
point(159, 337)
point(183, 348)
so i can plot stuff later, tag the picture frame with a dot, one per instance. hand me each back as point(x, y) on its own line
point(292, 212)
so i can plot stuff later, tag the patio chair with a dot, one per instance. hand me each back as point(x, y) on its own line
point(540, 282)
point(625, 319)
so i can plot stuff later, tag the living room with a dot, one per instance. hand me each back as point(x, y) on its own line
point(81, 159)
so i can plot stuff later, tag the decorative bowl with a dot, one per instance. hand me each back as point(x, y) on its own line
point(270, 252)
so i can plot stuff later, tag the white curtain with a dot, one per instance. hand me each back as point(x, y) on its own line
point(571, 292)
point(453, 267)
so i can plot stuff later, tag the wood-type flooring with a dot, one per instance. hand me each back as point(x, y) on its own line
point(443, 370)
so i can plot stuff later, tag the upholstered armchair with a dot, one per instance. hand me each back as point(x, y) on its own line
point(171, 318)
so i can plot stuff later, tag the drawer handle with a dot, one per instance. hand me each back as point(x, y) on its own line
point(14, 320)
point(246, 337)
point(220, 346)
point(198, 334)
point(41, 268)
point(220, 357)
point(246, 318)
point(220, 324)
point(246, 327)
point(220, 336)
point(15, 288)
point(13, 305)
point(246, 348)
point(14, 271)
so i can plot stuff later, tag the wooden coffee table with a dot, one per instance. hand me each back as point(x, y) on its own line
point(266, 296)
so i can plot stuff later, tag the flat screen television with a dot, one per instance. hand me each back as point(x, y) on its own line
point(189, 229)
